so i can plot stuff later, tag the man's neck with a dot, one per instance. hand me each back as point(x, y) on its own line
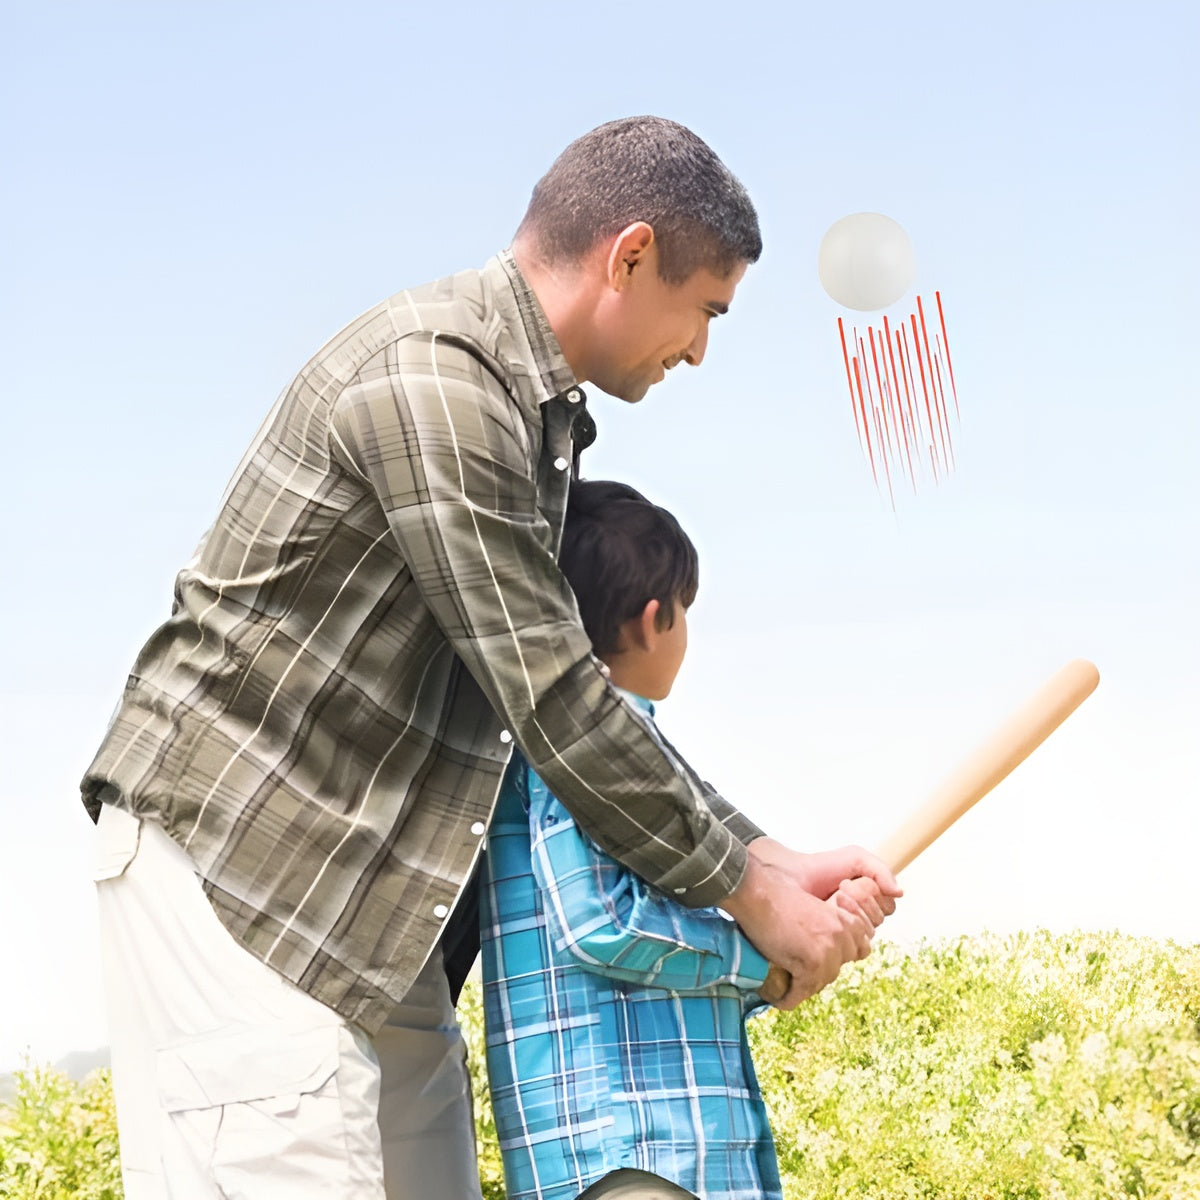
point(565, 297)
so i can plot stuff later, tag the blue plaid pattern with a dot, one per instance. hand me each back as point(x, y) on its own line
point(615, 1018)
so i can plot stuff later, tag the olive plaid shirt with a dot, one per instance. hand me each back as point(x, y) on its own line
point(373, 619)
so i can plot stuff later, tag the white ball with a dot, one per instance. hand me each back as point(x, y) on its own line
point(866, 261)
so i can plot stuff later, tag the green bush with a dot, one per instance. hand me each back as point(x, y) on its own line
point(58, 1138)
point(1032, 1067)
point(487, 1143)
point(1027, 1068)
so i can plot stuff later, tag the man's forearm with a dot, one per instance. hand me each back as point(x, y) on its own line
point(446, 451)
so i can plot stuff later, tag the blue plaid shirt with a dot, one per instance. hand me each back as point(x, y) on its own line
point(615, 1018)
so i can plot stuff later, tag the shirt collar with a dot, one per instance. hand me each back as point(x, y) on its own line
point(545, 354)
point(637, 701)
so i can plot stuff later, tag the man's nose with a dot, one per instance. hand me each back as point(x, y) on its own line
point(694, 354)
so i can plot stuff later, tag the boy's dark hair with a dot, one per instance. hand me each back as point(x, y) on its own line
point(619, 552)
point(644, 169)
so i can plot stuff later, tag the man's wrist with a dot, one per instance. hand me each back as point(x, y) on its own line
point(748, 897)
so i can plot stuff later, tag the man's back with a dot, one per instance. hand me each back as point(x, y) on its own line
point(304, 707)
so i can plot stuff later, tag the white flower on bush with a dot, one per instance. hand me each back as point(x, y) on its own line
point(1093, 1050)
point(826, 1081)
point(939, 1122)
point(1048, 1054)
point(1033, 975)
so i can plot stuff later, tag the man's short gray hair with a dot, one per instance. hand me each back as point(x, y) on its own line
point(644, 169)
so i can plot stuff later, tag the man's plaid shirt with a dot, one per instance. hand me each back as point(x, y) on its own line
point(375, 616)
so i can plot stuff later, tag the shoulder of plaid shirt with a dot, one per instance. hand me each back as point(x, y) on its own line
point(375, 615)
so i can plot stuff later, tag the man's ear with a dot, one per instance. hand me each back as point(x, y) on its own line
point(629, 250)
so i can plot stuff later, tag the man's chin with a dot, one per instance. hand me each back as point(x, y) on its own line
point(631, 390)
point(634, 390)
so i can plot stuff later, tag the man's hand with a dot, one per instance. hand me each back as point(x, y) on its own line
point(822, 874)
point(807, 917)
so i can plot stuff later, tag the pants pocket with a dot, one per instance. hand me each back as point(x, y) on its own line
point(263, 1109)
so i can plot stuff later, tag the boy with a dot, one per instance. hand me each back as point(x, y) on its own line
point(615, 1016)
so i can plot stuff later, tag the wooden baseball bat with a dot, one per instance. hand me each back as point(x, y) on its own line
point(996, 758)
point(1008, 747)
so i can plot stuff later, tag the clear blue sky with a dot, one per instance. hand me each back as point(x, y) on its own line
point(198, 194)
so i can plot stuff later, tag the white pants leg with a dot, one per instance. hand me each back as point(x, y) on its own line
point(426, 1122)
point(230, 1082)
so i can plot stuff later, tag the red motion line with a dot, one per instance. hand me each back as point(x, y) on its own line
point(946, 346)
point(937, 366)
point(850, 380)
point(883, 457)
point(905, 371)
point(891, 359)
point(924, 385)
point(870, 452)
point(882, 392)
point(939, 402)
point(883, 453)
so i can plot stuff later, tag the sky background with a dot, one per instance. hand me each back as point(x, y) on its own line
point(197, 195)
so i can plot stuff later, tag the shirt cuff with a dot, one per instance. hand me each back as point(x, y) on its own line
point(711, 873)
point(732, 818)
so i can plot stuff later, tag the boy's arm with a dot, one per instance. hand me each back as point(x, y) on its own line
point(605, 918)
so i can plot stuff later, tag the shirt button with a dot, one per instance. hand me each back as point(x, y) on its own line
point(561, 464)
point(680, 891)
point(574, 395)
point(505, 736)
point(440, 911)
point(477, 828)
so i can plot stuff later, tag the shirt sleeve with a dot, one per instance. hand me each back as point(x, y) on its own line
point(606, 919)
point(437, 437)
point(732, 818)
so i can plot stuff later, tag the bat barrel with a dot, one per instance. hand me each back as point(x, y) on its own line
point(1009, 746)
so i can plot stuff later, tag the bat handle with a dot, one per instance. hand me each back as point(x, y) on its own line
point(776, 985)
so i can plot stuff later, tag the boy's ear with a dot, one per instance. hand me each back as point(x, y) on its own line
point(642, 629)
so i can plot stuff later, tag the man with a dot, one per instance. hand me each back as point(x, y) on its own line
point(293, 792)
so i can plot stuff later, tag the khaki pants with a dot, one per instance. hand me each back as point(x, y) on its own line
point(232, 1083)
point(629, 1184)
